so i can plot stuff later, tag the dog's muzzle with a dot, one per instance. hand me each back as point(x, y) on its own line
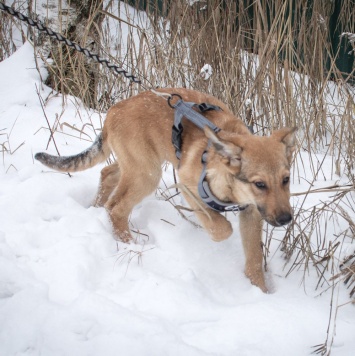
point(284, 219)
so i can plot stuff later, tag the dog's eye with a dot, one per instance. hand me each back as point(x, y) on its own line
point(260, 185)
point(285, 180)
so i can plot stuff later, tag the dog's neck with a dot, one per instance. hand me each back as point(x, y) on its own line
point(220, 184)
point(219, 175)
point(211, 200)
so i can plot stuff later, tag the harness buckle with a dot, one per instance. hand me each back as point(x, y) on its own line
point(176, 138)
point(235, 208)
point(203, 107)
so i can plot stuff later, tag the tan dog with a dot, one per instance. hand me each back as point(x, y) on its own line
point(252, 171)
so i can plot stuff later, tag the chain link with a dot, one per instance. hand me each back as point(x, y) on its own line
point(69, 43)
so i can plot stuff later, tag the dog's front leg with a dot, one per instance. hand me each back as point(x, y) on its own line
point(213, 222)
point(251, 230)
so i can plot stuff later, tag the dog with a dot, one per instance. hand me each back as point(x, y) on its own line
point(241, 168)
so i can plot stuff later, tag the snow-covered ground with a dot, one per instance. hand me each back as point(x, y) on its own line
point(67, 288)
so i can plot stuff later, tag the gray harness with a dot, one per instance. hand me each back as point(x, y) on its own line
point(186, 109)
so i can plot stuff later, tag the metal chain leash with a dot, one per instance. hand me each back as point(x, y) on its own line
point(69, 43)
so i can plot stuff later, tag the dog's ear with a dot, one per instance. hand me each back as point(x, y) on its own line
point(287, 135)
point(228, 150)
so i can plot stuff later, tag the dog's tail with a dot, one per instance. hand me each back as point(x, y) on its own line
point(93, 155)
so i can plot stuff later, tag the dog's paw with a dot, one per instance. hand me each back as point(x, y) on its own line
point(219, 238)
point(221, 232)
point(124, 236)
point(257, 278)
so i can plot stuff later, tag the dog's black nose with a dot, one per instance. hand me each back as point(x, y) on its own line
point(284, 218)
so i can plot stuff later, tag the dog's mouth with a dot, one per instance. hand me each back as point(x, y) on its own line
point(281, 219)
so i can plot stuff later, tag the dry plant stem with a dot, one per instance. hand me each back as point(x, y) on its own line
point(51, 137)
point(334, 188)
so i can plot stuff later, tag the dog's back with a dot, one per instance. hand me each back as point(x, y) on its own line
point(142, 125)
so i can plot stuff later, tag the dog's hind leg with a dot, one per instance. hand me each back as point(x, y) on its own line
point(251, 225)
point(133, 186)
point(108, 182)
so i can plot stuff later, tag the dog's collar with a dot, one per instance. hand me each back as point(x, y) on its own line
point(209, 199)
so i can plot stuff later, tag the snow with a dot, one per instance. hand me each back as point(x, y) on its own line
point(68, 288)
point(206, 71)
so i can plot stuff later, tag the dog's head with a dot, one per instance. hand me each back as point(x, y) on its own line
point(254, 170)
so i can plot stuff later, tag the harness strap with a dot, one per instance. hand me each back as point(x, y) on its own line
point(186, 109)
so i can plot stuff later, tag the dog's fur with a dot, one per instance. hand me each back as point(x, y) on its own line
point(241, 168)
